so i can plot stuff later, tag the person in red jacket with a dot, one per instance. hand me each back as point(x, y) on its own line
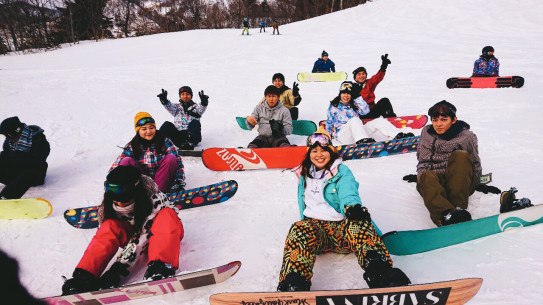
point(366, 88)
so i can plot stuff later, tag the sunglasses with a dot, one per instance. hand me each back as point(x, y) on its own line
point(318, 138)
point(144, 121)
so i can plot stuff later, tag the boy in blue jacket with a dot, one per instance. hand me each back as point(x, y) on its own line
point(324, 64)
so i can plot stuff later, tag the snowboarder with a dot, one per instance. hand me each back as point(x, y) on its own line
point(324, 64)
point(136, 216)
point(23, 159)
point(449, 166)
point(344, 124)
point(366, 87)
point(154, 155)
point(186, 131)
point(275, 25)
point(245, 26)
point(273, 120)
point(332, 220)
point(290, 98)
point(263, 26)
point(487, 65)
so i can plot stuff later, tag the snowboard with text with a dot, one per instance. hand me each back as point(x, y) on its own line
point(226, 159)
point(305, 77)
point(87, 217)
point(25, 208)
point(418, 241)
point(485, 82)
point(299, 127)
point(146, 289)
point(455, 292)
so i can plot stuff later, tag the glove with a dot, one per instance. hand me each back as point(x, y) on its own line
point(112, 277)
point(385, 62)
point(357, 212)
point(204, 99)
point(483, 188)
point(410, 178)
point(295, 89)
point(163, 97)
point(276, 127)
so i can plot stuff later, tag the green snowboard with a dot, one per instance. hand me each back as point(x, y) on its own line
point(299, 127)
point(306, 77)
point(418, 241)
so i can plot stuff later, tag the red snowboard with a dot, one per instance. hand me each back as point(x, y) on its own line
point(246, 158)
point(485, 82)
point(411, 121)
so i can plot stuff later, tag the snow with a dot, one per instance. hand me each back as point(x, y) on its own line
point(85, 98)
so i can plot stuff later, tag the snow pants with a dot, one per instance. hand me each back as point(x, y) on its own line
point(193, 134)
point(263, 141)
point(245, 29)
point(310, 237)
point(445, 192)
point(274, 31)
point(19, 179)
point(382, 108)
point(164, 243)
point(165, 175)
point(379, 129)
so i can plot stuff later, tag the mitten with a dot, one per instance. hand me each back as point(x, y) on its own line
point(357, 212)
point(276, 127)
point(410, 178)
point(484, 188)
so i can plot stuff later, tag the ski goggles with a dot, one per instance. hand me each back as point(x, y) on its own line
point(144, 121)
point(318, 139)
point(118, 189)
point(346, 87)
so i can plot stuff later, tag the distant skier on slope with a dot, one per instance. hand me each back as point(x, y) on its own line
point(245, 26)
point(487, 65)
point(137, 217)
point(332, 220)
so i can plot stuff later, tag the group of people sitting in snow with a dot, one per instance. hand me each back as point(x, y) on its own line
point(137, 216)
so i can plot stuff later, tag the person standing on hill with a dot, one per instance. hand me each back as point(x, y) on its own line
point(275, 25)
point(487, 65)
point(245, 26)
point(263, 26)
point(324, 64)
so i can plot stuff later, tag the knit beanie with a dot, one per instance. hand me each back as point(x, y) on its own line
point(311, 140)
point(143, 118)
point(346, 87)
point(324, 53)
point(186, 89)
point(121, 183)
point(358, 70)
point(11, 126)
point(487, 50)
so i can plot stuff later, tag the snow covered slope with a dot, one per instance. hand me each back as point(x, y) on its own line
point(85, 98)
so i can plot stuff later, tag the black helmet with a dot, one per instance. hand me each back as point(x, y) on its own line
point(487, 50)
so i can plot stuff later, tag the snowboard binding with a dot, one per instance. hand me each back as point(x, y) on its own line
point(508, 201)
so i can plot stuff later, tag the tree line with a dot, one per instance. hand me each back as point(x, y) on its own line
point(46, 24)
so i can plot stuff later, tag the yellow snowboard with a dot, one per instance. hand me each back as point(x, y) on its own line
point(25, 208)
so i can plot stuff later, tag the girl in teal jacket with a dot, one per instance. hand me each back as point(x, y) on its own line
point(333, 220)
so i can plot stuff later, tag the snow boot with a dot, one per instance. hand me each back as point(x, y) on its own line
point(508, 201)
point(81, 281)
point(402, 135)
point(294, 282)
point(158, 270)
point(455, 216)
point(366, 141)
point(379, 274)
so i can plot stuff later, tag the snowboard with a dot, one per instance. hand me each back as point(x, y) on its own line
point(25, 208)
point(150, 288)
point(411, 121)
point(485, 82)
point(306, 77)
point(87, 217)
point(456, 292)
point(299, 127)
point(190, 153)
point(418, 241)
point(226, 159)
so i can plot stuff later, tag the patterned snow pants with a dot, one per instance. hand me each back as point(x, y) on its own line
point(310, 237)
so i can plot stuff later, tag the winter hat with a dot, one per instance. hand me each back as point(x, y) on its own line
point(346, 87)
point(272, 90)
point(320, 137)
point(487, 50)
point(121, 183)
point(185, 89)
point(143, 118)
point(11, 126)
point(279, 76)
point(324, 53)
point(358, 70)
point(442, 108)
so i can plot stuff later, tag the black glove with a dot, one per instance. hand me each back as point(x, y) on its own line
point(410, 178)
point(163, 97)
point(357, 212)
point(385, 62)
point(333, 68)
point(483, 188)
point(204, 99)
point(112, 277)
point(295, 89)
point(276, 127)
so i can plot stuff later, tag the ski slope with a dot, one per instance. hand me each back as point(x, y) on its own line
point(85, 98)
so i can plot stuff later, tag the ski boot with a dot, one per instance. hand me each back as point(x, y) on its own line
point(378, 273)
point(81, 281)
point(158, 270)
point(508, 201)
point(294, 282)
